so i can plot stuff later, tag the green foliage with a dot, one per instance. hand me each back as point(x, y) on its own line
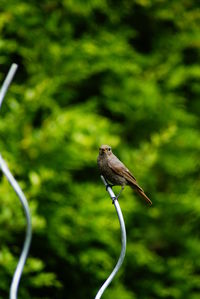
point(123, 73)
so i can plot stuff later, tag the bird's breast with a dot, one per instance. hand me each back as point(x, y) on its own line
point(108, 173)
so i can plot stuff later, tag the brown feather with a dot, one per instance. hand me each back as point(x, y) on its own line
point(120, 169)
point(143, 195)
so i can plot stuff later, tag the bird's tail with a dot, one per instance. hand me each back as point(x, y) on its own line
point(143, 195)
point(139, 190)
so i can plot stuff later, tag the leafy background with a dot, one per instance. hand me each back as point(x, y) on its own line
point(124, 73)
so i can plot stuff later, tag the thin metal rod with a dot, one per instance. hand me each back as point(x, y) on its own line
point(7, 82)
point(20, 266)
point(26, 246)
point(123, 239)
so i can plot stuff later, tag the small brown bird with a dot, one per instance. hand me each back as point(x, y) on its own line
point(116, 172)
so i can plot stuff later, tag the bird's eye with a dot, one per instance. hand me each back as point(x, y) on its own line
point(109, 149)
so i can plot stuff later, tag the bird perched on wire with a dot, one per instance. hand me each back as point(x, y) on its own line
point(116, 172)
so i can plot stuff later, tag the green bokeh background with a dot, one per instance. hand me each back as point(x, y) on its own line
point(123, 73)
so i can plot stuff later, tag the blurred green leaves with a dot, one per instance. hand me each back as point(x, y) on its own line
point(92, 73)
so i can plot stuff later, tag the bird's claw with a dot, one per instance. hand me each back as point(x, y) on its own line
point(113, 199)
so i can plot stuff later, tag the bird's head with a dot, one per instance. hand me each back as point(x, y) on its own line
point(105, 150)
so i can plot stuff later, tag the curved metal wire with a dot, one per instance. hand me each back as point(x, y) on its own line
point(18, 272)
point(123, 239)
point(7, 82)
point(27, 242)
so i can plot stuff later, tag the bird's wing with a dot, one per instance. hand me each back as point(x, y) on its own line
point(119, 168)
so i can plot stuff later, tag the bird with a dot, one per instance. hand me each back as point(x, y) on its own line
point(116, 172)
